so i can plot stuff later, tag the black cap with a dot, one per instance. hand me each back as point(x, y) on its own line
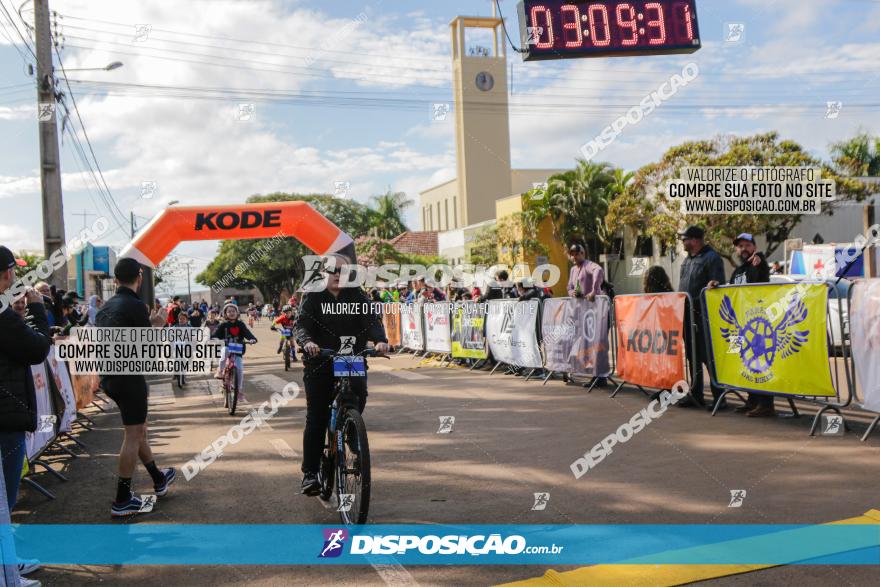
point(72, 296)
point(692, 232)
point(127, 270)
point(8, 260)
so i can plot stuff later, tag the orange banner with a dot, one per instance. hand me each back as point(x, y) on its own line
point(650, 339)
point(391, 321)
point(243, 221)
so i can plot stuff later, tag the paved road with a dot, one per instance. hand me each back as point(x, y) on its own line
point(511, 439)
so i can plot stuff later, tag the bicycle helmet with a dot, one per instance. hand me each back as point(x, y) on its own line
point(287, 308)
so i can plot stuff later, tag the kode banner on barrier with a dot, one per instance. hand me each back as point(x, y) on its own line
point(511, 329)
point(864, 320)
point(575, 335)
point(411, 327)
point(468, 330)
point(650, 339)
point(438, 338)
point(770, 337)
point(391, 322)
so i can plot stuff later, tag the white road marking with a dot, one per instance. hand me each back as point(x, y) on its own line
point(284, 449)
point(408, 375)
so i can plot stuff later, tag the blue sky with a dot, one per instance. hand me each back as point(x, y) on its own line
point(351, 85)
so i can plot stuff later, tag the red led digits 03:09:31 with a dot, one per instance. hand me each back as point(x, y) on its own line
point(560, 29)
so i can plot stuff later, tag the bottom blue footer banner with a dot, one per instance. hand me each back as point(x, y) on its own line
point(271, 544)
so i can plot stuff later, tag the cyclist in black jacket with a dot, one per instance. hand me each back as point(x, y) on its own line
point(320, 325)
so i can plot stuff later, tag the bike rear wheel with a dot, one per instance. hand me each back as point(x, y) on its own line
point(232, 390)
point(353, 469)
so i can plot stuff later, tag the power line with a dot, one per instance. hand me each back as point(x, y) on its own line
point(109, 200)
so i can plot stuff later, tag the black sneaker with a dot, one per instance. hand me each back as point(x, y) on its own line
point(310, 485)
point(170, 476)
point(132, 507)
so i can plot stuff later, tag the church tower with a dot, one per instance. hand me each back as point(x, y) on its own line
point(482, 133)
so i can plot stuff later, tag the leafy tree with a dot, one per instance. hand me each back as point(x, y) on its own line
point(643, 205)
point(484, 247)
point(858, 156)
point(517, 234)
point(32, 261)
point(577, 202)
point(388, 213)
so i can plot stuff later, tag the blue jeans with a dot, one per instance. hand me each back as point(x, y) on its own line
point(12, 448)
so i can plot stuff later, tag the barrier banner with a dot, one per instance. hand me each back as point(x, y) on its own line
point(589, 354)
point(36, 441)
point(468, 333)
point(411, 327)
point(391, 322)
point(864, 323)
point(65, 388)
point(770, 337)
point(650, 339)
point(511, 328)
point(558, 332)
point(438, 337)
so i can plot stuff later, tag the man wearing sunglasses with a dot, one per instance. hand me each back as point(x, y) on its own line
point(325, 316)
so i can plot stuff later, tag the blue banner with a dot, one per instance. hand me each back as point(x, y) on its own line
point(271, 544)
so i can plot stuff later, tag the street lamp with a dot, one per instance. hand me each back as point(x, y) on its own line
point(108, 67)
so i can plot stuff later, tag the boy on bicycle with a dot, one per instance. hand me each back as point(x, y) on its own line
point(315, 330)
point(232, 329)
point(286, 322)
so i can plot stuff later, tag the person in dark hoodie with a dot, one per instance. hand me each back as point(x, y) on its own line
point(21, 345)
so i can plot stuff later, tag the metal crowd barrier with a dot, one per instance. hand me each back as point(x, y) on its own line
point(839, 350)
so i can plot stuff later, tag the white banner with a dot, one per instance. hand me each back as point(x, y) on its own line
point(36, 441)
point(438, 336)
point(864, 320)
point(65, 388)
point(511, 328)
point(411, 327)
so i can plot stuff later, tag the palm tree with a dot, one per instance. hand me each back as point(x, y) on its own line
point(387, 214)
point(858, 156)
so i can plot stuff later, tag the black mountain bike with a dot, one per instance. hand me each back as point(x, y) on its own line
point(345, 464)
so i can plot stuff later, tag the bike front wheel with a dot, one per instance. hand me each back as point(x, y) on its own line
point(353, 469)
point(232, 390)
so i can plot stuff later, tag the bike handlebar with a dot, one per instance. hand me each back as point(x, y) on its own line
point(364, 353)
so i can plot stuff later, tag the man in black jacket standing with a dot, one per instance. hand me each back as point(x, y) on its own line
point(319, 326)
point(21, 345)
point(702, 265)
point(130, 392)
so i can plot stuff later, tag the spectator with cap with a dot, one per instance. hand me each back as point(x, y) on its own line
point(753, 268)
point(22, 344)
point(585, 278)
point(702, 265)
point(130, 392)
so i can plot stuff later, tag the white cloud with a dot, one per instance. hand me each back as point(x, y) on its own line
point(19, 238)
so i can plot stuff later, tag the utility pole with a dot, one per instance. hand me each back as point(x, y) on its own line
point(50, 163)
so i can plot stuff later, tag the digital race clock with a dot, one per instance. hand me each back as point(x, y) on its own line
point(559, 29)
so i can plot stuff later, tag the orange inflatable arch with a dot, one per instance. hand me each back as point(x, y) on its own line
point(243, 221)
